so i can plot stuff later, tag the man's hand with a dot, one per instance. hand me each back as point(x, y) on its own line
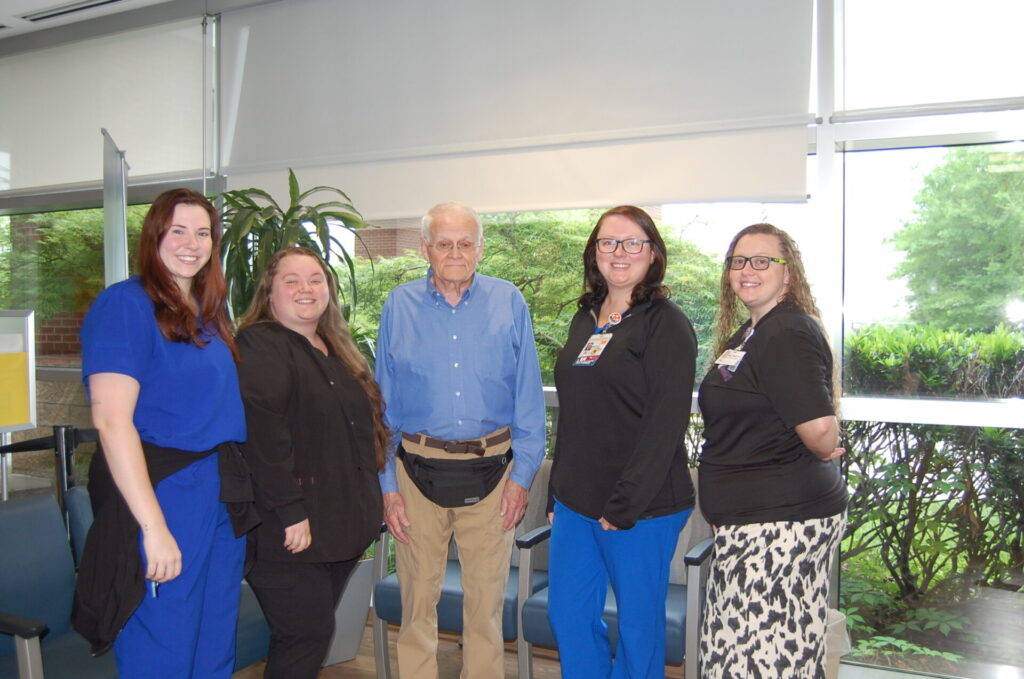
point(513, 504)
point(297, 537)
point(395, 517)
point(606, 525)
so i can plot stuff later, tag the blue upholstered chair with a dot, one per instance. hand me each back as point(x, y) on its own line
point(37, 580)
point(387, 601)
point(685, 599)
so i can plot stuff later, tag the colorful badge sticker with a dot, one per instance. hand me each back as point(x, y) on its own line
point(592, 349)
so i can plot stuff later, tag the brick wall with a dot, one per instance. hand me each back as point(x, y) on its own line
point(389, 238)
point(59, 334)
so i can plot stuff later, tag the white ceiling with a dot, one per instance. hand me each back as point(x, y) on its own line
point(13, 11)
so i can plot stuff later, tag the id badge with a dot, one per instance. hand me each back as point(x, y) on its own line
point(731, 359)
point(592, 349)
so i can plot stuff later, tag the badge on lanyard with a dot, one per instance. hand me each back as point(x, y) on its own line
point(598, 341)
point(593, 348)
point(730, 359)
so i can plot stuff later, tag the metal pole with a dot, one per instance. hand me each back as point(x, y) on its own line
point(5, 463)
point(64, 450)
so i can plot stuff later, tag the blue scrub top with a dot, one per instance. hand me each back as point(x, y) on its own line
point(188, 395)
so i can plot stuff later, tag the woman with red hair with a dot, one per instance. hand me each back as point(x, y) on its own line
point(162, 566)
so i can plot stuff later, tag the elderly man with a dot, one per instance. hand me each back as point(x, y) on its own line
point(458, 370)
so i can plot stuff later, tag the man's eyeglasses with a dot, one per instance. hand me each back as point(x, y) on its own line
point(757, 262)
point(631, 246)
point(446, 246)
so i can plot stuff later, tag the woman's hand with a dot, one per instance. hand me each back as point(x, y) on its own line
point(297, 537)
point(835, 453)
point(605, 525)
point(163, 558)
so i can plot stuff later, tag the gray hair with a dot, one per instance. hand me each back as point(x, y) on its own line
point(452, 207)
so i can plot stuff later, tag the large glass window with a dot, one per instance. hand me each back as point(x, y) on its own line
point(934, 549)
point(930, 51)
point(934, 252)
point(52, 263)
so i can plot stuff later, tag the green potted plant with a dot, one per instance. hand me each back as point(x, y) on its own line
point(256, 226)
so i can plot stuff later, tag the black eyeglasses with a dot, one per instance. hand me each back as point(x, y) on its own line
point(757, 262)
point(631, 246)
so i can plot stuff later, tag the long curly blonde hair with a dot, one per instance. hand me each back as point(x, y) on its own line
point(334, 331)
point(797, 293)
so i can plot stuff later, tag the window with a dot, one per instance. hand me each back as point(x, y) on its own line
point(52, 263)
point(930, 51)
point(934, 276)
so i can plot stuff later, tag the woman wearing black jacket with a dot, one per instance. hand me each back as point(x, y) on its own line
point(620, 483)
point(315, 444)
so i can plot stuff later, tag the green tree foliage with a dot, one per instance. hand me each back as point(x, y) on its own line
point(926, 360)
point(965, 246)
point(542, 254)
point(53, 262)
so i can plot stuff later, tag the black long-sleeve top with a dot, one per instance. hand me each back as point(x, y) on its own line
point(620, 450)
point(310, 446)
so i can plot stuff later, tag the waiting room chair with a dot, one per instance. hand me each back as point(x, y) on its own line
point(387, 602)
point(688, 575)
point(37, 580)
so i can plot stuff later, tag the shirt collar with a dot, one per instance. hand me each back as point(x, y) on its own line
point(435, 296)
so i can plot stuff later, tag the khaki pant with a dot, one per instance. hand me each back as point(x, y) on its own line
point(484, 552)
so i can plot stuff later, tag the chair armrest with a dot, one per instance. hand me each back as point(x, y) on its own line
point(380, 554)
point(26, 628)
point(700, 552)
point(533, 538)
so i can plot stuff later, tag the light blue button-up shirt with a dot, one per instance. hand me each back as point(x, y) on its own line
point(461, 372)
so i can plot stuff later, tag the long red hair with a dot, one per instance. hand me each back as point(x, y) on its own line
point(178, 320)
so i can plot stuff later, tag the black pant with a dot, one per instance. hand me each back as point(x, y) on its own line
point(298, 600)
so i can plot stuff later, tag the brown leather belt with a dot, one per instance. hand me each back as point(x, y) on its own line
point(471, 446)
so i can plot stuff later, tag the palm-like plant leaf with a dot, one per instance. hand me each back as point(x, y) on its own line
point(256, 227)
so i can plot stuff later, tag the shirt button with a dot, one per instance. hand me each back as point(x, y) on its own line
point(458, 393)
point(460, 421)
point(456, 365)
point(455, 337)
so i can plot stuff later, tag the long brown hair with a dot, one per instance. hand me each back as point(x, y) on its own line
point(797, 293)
point(334, 331)
point(595, 288)
point(179, 320)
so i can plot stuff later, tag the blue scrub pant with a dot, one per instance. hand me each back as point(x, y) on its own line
point(188, 630)
point(584, 559)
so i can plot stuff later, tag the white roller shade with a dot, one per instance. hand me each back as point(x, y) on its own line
point(519, 105)
point(145, 86)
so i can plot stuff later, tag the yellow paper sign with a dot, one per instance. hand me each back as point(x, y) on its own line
point(14, 389)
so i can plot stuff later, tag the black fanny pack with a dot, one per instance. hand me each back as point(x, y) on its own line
point(454, 483)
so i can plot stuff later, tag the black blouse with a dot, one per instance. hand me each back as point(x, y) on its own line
point(754, 468)
point(620, 450)
point(310, 446)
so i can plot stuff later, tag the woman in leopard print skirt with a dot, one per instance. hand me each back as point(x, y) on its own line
point(768, 480)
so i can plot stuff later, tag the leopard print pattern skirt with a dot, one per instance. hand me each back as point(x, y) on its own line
point(767, 592)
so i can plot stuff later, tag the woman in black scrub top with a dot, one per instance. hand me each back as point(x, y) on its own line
point(620, 482)
point(768, 482)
